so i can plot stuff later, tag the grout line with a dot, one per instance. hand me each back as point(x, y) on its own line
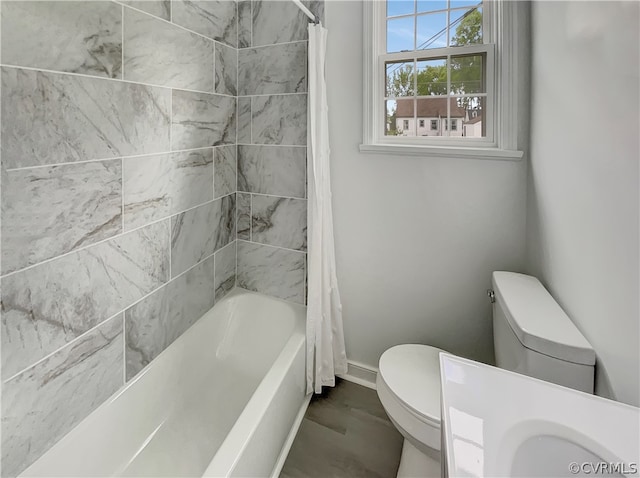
point(124, 348)
point(214, 67)
point(122, 192)
point(213, 166)
point(274, 145)
point(171, 123)
point(71, 342)
point(119, 80)
point(299, 93)
point(137, 228)
point(251, 119)
point(36, 166)
point(251, 217)
point(279, 196)
point(273, 44)
point(272, 246)
point(122, 43)
point(170, 248)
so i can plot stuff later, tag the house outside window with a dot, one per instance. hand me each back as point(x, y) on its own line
point(440, 56)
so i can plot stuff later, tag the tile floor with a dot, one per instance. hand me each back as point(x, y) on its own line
point(345, 433)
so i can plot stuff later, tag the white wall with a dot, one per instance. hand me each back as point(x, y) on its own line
point(416, 238)
point(583, 187)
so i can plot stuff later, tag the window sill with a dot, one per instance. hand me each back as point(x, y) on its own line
point(443, 151)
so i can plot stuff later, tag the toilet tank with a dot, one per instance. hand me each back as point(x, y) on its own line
point(533, 336)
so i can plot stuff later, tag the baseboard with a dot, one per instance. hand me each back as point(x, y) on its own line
point(292, 436)
point(360, 374)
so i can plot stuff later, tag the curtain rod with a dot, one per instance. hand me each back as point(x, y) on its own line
point(306, 11)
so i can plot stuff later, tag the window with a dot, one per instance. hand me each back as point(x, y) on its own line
point(437, 58)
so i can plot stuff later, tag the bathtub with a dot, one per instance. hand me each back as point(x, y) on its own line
point(224, 399)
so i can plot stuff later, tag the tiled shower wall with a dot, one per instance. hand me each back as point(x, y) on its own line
point(118, 197)
point(272, 138)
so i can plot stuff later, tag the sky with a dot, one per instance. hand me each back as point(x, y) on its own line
point(400, 31)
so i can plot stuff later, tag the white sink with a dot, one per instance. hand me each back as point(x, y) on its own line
point(499, 423)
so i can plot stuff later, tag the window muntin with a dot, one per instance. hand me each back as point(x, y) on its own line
point(435, 50)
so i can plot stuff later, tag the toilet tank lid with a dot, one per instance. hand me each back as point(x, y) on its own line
point(538, 320)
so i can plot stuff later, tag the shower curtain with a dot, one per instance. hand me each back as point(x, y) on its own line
point(326, 354)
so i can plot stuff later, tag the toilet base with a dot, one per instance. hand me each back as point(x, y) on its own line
point(415, 464)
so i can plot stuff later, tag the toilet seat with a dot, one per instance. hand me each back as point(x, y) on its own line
point(409, 388)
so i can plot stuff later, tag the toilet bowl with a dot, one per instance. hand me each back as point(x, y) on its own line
point(532, 336)
point(408, 386)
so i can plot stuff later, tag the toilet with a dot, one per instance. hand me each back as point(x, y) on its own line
point(532, 335)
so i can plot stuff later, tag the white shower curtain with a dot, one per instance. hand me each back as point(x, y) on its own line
point(326, 354)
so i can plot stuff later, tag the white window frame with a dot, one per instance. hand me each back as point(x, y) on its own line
point(500, 31)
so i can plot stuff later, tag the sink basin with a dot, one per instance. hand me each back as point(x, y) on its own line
point(500, 423)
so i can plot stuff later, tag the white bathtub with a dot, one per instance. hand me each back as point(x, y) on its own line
point(224, 399)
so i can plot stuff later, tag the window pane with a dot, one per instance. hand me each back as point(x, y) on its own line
point(473, 124)
point(467, 74)
point(432, 77)
point(431, 5)
point(432, 116)
point(464, 3)
point(466, 27)
point(400, 34)
point(432, 31)
point(400, 117)
point(390, 128)
point(399, 7)
point(399, 79)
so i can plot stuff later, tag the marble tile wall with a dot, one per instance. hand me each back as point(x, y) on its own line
point(118, 196)
point(272, 138)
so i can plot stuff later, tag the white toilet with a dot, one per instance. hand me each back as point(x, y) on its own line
point(532, 335)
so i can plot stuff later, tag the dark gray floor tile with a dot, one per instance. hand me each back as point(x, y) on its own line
point(345, 433)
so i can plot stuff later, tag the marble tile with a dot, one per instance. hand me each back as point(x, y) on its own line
point(276, 170)
point(215, 19)
point(159, 53)
point(243, 224)
point(155, 322)
point(244, 23)
point(49, 211)
point(159, 8)
point(271, 270)
point(279, 119)
point(244, 120)
point(199, 232)
point(47, 306)
point(201, 120)
point(161, 185)
point(279, 222)
point(72, 118)
point(43, 403)
point(225, 270)
point(77, 37)
point(273, 69)
point(226, 70)
point(225, 170)
point(281, 21)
